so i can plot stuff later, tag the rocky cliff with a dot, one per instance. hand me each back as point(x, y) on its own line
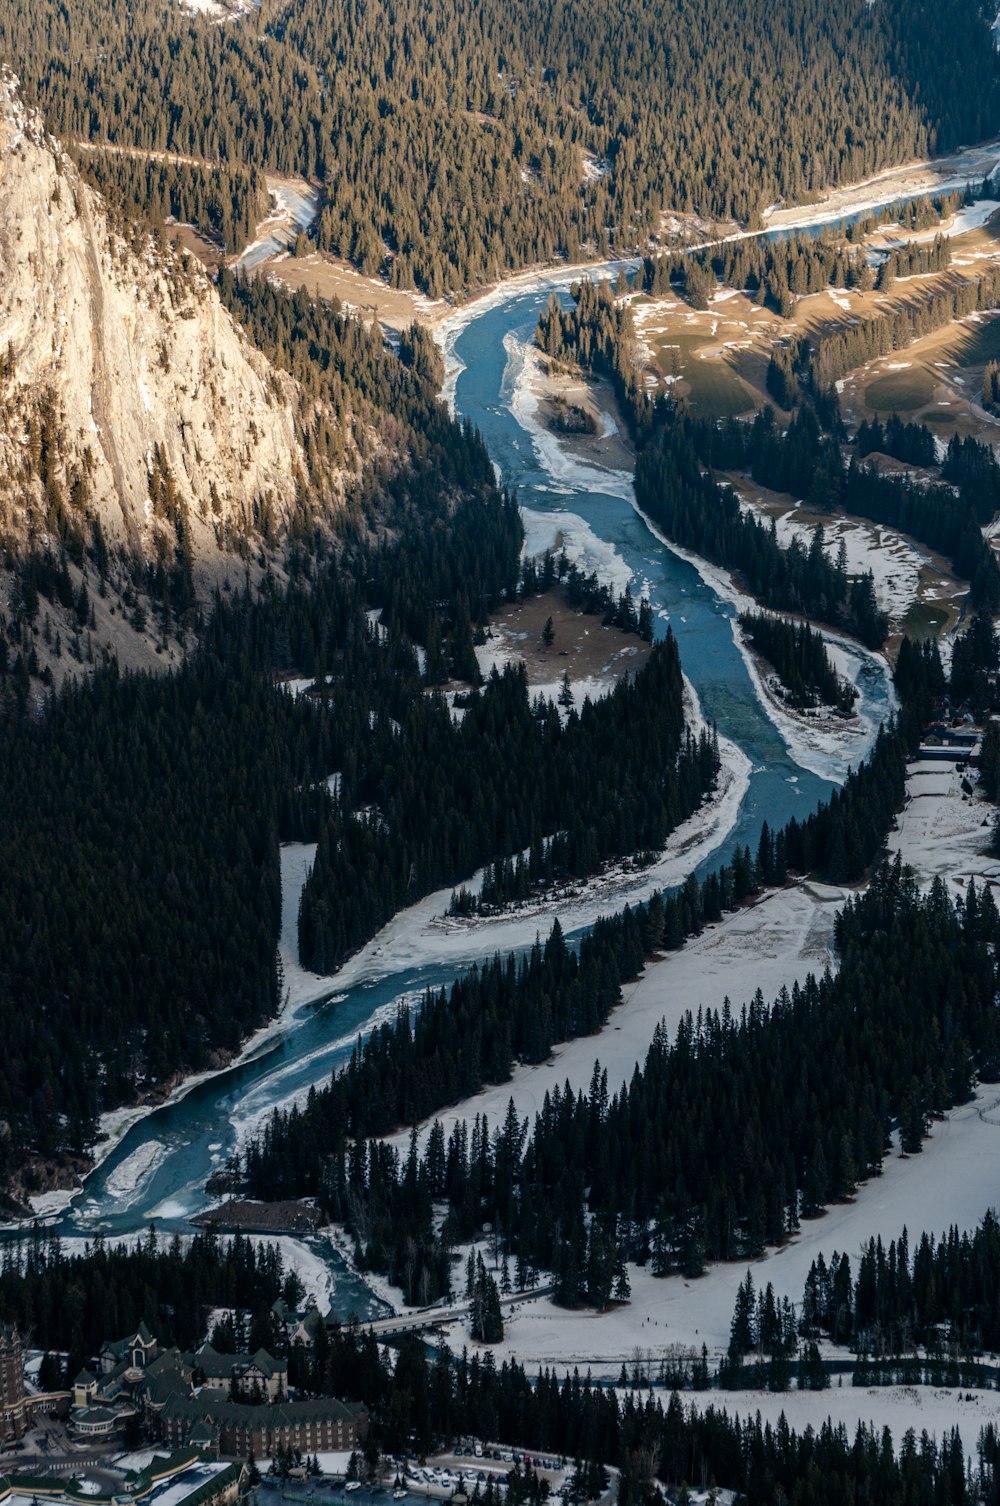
point(128, 397)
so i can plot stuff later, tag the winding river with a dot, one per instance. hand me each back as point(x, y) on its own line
point(158, 1169)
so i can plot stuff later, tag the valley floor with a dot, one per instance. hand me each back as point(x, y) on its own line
point(953, 1181)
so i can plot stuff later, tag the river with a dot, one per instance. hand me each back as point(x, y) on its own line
point(159, 1168)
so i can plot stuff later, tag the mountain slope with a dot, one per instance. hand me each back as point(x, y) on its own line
point(122, 376)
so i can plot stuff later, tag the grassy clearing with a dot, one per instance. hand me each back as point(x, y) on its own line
point(927, 619)
point(715, 390)
point(900, 391)
point(582, 646)
point(942, 385)
point(710, 382)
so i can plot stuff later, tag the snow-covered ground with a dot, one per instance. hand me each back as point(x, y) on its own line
point(335, 1463)
point(544, 531)
point(523, 388)
point(896, 1407)
point(954, 1180)
point(894, 562)
point(945, 832)
point(294, 207)
point(784, 935)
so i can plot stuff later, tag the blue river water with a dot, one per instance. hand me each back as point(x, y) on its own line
point(158, 1171)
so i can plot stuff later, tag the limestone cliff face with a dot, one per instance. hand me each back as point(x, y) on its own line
point(118, 363)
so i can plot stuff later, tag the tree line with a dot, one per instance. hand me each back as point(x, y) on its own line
point(438, 798)
point(175, 789)
point(421, 1399)
point(775, 272)
point(197, 775)
point(71, 1304)
point(942, 1296)
point(838, 353)
point(694, 510)
point(799, 658)
point(806, 460)
point(224, 202)
point(455, 145)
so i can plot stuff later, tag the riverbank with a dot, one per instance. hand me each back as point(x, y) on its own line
point(824, 746)
point(301, 989)
point(825, 743)
point(426, 934)
point(551, 386)
point(826, 750)
point(372, 298)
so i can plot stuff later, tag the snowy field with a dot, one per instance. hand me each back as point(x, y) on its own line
point(944, 832)
point(894, 562)
point(954, 1180)
point(896, 1407)
point(782, 936)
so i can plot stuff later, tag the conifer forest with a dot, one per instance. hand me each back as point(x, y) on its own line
point(500, 752)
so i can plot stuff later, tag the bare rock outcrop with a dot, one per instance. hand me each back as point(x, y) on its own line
point(127, 392)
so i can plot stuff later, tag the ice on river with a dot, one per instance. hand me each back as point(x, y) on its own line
point(559, 279)
point(521, 390)
point(583, 546)
point(825, 748)
point(128, 1179)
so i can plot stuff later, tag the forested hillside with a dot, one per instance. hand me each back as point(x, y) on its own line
point(678, 453)
point(225, 201)
point(175, 789)
point(456, 143)
point(718, 1145)
point(439, 799)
